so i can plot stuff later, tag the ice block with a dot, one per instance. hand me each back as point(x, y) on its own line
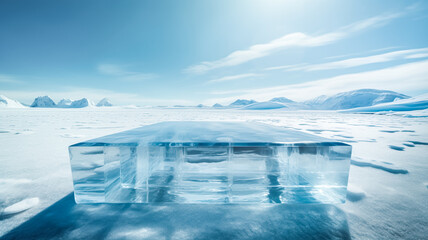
point(210, 162)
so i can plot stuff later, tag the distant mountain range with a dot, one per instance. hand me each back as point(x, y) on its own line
point(340, 101)
point(362, 99)
point(47, 102)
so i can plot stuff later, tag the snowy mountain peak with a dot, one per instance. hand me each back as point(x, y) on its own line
point(82, 103)
point(409, 104)
point(104, 103)
point(354, 99)
point(6, 102)
point(281, 100)
point(43, 102)
point(242, 102)
point(317, 100)
point(217, 105)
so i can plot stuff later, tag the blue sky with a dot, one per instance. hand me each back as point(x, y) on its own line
point(190, 52)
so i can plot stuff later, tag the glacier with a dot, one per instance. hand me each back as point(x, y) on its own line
point(210, 162)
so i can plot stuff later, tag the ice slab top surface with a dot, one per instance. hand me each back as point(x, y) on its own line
point(210, 162)
point(215, 133)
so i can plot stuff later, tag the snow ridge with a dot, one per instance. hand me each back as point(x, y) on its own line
point(6, 102)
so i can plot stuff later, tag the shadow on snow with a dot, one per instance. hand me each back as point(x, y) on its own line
point(65, 219)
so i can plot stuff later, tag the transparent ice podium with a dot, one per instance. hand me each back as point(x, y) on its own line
point(210, 162)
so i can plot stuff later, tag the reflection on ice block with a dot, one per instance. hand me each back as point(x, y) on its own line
point(210, 162)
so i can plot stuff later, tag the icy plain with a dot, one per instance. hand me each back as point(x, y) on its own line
point(387, 193)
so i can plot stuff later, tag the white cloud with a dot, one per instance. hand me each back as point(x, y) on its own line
point(285, 67)
point(402, 78)
point(359, 61)
point(233, 77)
point(417, 55)
point(122, 74)
point(361, 53)
point(297, 39)
point(376, 21)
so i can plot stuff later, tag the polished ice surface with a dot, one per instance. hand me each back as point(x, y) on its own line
point(210, 162)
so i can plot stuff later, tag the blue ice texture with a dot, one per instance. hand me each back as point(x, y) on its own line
point(210, 162)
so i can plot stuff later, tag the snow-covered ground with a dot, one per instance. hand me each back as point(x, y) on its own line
point(387, 197)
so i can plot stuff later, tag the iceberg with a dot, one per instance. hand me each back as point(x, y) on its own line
point(81, 103)
point(64, 103)
point(210, 162)
point(43, 102)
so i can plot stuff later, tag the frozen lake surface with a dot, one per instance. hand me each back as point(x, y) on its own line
point(387, 195)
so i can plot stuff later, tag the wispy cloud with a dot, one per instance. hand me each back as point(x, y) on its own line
point(122, 74)
point(377, 21)
point(359, 61)
point(9, 79)
point(349, 55)
point(286, 67)
point(233, 77)
point(297, 39)
point(417, 55)
point(414, 74)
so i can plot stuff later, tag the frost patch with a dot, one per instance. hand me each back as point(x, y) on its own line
point(397, 148)
point(409, 144)
point(419, 143)
point(389, 131)
point(377, 166)
point(14, 181)
point(67, 135)
point(355, 194)
point(20, 206)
